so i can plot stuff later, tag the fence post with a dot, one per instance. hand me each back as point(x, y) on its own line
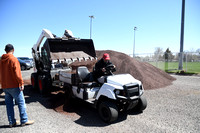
point(166, 59)
point(186, 61)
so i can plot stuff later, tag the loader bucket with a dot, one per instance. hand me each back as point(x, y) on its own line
point(70, 48)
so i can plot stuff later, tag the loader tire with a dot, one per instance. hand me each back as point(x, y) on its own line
point(44, 83)
point(34, 81)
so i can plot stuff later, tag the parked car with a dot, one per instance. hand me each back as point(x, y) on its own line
point(24, 65)
point(27, 60)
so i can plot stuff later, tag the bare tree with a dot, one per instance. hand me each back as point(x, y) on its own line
point(198, 50)
point(158, 53)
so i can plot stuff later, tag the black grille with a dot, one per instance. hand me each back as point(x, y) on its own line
point(132, 90)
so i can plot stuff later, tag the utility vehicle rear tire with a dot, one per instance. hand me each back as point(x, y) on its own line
point(34, 80)
point(108, 111)
point(142, 104)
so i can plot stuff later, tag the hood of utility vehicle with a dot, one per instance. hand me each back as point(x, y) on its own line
point(122, 79)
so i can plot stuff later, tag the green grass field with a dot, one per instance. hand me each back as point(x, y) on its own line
point(189, 67)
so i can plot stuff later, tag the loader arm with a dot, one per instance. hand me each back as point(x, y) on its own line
point(45, 33)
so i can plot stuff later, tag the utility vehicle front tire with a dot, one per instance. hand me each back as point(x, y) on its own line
point(142, 104)
point(108, 111)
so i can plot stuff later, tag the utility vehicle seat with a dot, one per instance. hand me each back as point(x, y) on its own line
point(85, 77)
point(82, 73)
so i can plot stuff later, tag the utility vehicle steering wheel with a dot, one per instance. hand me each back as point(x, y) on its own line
point(109, 69)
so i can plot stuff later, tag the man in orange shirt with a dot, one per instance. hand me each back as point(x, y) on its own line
point(13, 86)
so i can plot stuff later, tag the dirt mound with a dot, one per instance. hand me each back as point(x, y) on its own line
point(150, 76)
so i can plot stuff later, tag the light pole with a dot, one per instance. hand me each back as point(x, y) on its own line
point(135, 28)
point(91, 17)
point(182, 36)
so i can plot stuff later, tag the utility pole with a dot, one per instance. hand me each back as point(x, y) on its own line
point(135, 28)
point(182, 36)
point(91, 17)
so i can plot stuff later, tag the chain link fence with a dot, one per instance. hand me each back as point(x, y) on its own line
point(169, 62)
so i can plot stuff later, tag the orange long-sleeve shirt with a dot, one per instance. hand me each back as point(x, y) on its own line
point(10, 72)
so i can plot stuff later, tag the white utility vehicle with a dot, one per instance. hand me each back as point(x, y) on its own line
point(117, 93)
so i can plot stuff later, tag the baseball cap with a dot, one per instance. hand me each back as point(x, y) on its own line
point(106, 56)
point(9, 47)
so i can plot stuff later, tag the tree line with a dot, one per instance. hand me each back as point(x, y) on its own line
point(167, 55)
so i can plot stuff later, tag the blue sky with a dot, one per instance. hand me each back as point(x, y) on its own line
point(158, 23)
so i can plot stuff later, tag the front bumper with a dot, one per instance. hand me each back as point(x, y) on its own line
point(128, 97)
point(126, 103)
point(130, 92)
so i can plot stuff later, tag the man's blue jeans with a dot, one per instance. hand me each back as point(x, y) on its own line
point(16, 94)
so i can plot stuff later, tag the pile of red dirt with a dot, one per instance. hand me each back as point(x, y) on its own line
point(151, 77)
